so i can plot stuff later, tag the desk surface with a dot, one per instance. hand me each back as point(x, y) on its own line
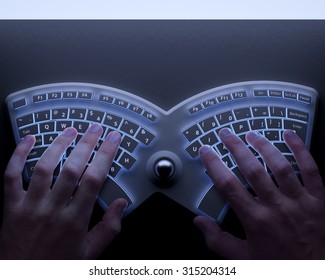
point(164, 62)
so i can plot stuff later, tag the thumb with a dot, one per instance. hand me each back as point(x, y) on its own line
point(101, 235)
point(221, 242)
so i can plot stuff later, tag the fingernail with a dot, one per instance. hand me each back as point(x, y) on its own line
point(251, 135)
point(27, 139)
point(225, 132)
point(204, 150)
point(69, 132)
point(95, 128)
point(290, 134)
point(122, 206)
point(114, 137)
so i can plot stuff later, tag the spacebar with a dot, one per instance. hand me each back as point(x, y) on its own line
point(111, 191)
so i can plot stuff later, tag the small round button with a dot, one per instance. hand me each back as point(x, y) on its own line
point(164, 169)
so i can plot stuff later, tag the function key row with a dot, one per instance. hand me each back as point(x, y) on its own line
point(85, 95)
point(284, 94)
point(220, 99)
point(130, 106)
point(242, 94)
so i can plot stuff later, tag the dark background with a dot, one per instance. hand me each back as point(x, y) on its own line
point(164, 62)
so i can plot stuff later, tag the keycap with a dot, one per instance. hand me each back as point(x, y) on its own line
point(208, 124)
point(105, 98)
point(60, 113)
point(129, 127)
point(239, 94)
point(69, 94)
point(193, 149)
point(298, 127)
point(195, 109)
point(209, 139)
point(136, 109)
point(298, 115)
point(272, 135)
point(209, 103)
point(36, 153)
point(19, 103)
point(149, 116)
point(42, 116)
point(49, 138)
point(257, 124)
point(304, 98)
point(260, 111)
point(25, 120)
point(145, 136)
point(260, 93)
point(290, 95)
point(95, 116)
point(127, 160)
point(224, 98)
point(111, 191)
point(274, 123)
point(31, 129)
point(224, 118)
point(114, 170)
point(81, 127)
point(242, 113)
point(78, 114)
point(112, 120)
point(84, 95)
point(39, 98)
point(62, 125)
point(275, 93)
point(54, 95)
point(121, 103)
point(240, 127)
point(46, 127)
point(277, 112)
point(129, 143)
point(192, 133)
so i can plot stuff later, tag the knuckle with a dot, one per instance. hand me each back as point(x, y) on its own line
point(283, 170)
point(255, 172)
point(92, 179)
point(70, 171)
point(42, 169)
point(312, 170)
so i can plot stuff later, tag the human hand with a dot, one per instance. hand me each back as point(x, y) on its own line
point(52, 223)
point(284, 222)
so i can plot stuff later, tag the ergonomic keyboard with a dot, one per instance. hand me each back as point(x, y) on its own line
point(159, 149)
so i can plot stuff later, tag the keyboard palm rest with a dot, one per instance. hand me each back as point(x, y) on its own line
point(159, 149)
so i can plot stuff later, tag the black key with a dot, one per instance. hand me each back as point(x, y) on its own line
point(46, 127)
point(38, 140)
point(49, 138)
point(192, 132)
point(243, 113)
point(62, 125)
point(239, 94)
point(136, 109)
point(290, 95)
point(54, 95)
point(298, 115)
point(241, 127)
point(119, 152)
point(30, 166)
point(19, 103)
point(81, 127)
point(39, 98)
point(282, 147)
point(145, 136)
point(129, 127)
point(114, 170)
point(126, 160)
point(275, 93)
point(195, 109)
point(36, 153)
point(121, 103)
point(42, 116)
point(129, 144)
point(222, 149)
point(277, 112)
point(225, 117)
point(25, 120)
point(193, 149)
point(298, 127)
point(257, 124)
point(85, 95)
point(208, 124)
point(260, 93)
point(224, 98)
point(304, 98)
point(274, 123)
point(111, 191)
point(228, 162)
point(293, 162)
point(32, 129)
point(78, 114)
point(149, 116)
point(95, 116)
point(69, 151)
point(209, 103)
point(272, 135)
point(99, 143)
point(254, 151)
point(112, 120)
point(105, 98)
point(260, 111)
point(69, 94)
point(60, 113)
point(209, 139)
point(212, 203)
point(243, 138)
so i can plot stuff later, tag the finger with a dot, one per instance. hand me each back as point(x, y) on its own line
point(280, 167)
point(43, 173)
point(75, 165)
point(220, 241)
point(13, 185)
point(309, 170)
point(227, 183)
point(106, 230)
point(250, 167)
point(96, 173)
